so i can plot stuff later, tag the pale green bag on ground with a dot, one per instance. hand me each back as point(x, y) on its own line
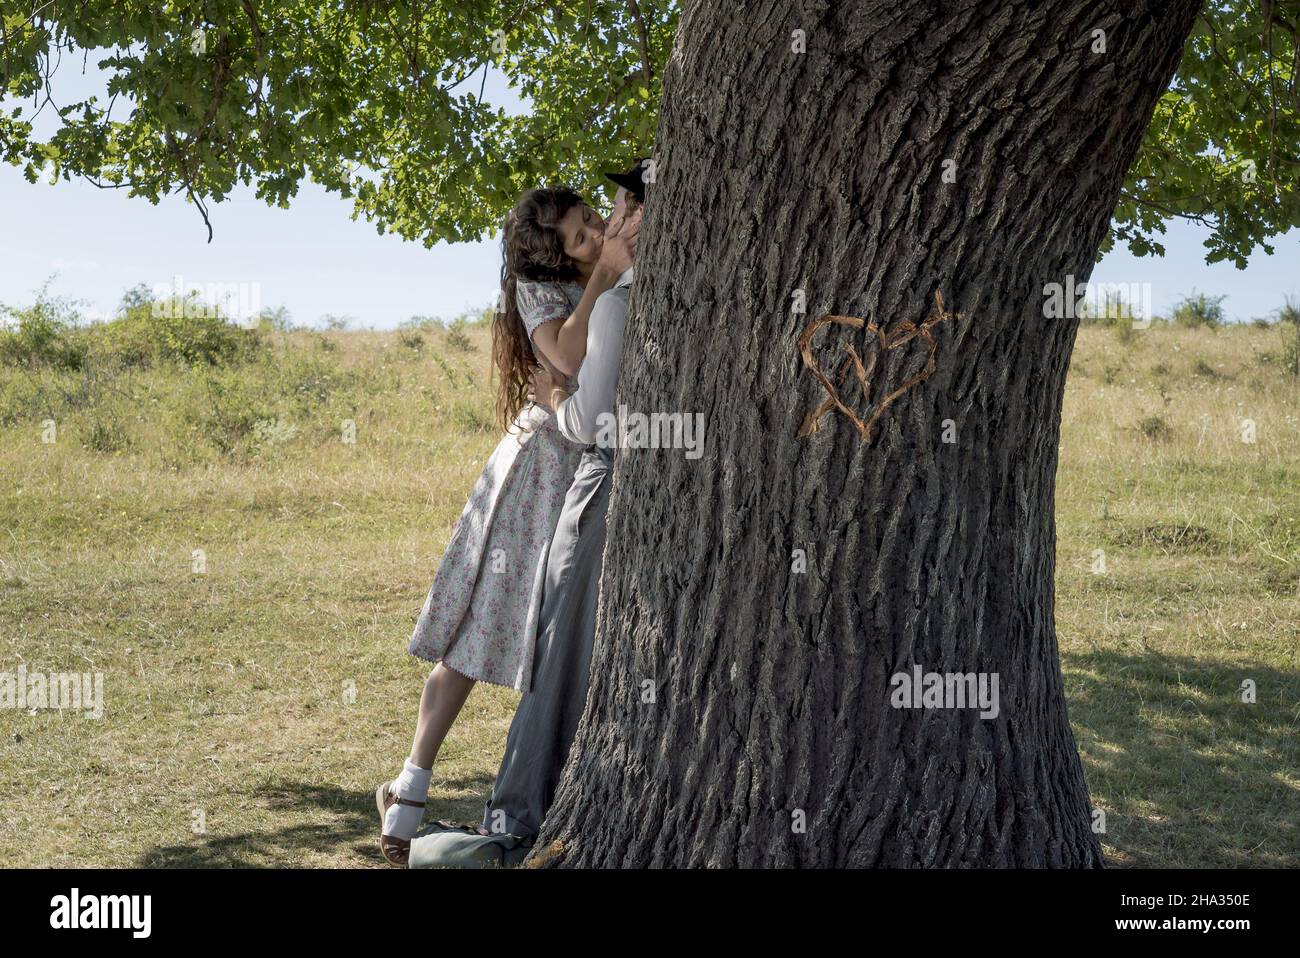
point(465, 848)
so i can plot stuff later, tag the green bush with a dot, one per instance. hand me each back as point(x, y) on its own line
point(230, 405)
point(1289, 319)
point(323, 342)
point(275, 320)
point(458, 341)
point(1122, 324)
point(47, 333)
point(183, 330)
point(21, 400)
point(311, 380)
point(411, 339)
point(1289, 358)
point(1155, 429)
point(104, 435)
point(1199, 310)
point(470, 319)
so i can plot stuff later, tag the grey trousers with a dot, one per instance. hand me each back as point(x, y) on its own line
point(548, 714)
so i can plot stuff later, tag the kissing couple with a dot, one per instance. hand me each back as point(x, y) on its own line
point(513, 602)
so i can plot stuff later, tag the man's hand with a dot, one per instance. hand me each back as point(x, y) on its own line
point(620, 243)
point(548, 389)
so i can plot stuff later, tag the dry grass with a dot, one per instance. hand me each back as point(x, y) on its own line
point(227, 691)
point(1201, 539)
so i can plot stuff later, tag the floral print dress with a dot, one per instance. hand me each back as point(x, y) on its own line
point(480, 616)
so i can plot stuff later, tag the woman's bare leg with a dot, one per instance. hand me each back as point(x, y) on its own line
point(445, 692)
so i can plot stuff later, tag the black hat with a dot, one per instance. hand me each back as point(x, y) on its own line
point(631, 180)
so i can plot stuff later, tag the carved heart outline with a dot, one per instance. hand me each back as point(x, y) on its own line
point(902, 333)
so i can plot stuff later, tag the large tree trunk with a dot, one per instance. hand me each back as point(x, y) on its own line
point(770, 687)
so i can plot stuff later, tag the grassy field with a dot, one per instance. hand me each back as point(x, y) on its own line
point(265, 696)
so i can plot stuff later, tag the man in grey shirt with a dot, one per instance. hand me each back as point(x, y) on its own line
point(547, 718)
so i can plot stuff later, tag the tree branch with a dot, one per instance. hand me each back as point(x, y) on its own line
point(643, 39)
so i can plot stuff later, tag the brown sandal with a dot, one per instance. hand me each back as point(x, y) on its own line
point(396, 851)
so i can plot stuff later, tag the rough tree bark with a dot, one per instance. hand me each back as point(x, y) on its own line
point(823, 171)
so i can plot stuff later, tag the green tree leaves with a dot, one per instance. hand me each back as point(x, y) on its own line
point(380, 102)
point(1222, 147)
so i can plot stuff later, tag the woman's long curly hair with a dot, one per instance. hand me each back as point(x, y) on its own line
point(531, 249)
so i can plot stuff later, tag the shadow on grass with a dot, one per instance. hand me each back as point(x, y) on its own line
point(1187, 773)
point(353, 827)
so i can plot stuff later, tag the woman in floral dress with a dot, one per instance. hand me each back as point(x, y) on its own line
point(479, 621)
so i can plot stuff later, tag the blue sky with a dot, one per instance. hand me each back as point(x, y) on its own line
point(314, 259)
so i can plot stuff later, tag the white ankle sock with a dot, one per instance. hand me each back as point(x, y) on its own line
point(401, 821)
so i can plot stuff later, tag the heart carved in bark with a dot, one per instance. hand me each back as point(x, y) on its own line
point(902, 333)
